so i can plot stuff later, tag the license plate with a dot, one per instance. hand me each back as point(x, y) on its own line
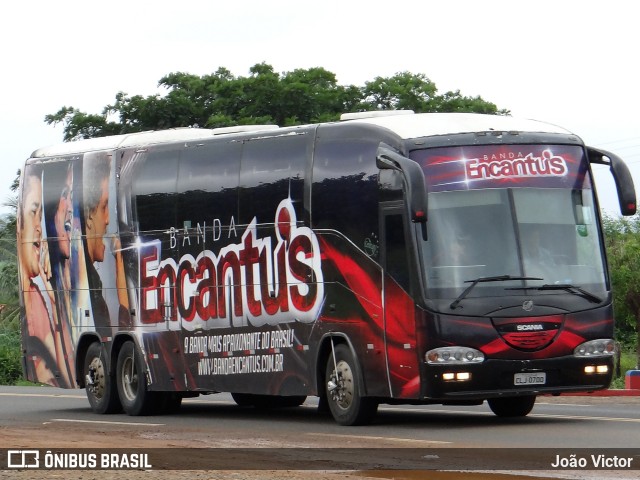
point(524, 379)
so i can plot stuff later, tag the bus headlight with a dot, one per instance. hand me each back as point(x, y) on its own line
point(454, 356)
point(596, 348)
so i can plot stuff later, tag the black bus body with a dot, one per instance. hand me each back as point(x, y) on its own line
point(397, 258)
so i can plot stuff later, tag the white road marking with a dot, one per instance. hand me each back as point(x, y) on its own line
point(56, 395)
point(401, 409)
point(537, 415)
point(371, 437)
point(587, 417)
point(70, 420)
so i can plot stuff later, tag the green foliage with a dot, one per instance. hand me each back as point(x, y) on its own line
point(627, 362)
point(622, 239)
point(408, 91)
point(10, 352)
point(264, 96)
point(8, 254)
point(79, 125)
point(10, 365)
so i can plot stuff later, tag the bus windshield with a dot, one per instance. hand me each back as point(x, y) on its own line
point(546, 233)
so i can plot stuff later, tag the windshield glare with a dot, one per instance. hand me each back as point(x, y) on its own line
point(546, 233)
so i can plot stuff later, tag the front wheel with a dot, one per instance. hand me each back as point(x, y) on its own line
point(344, 390)
point(512, 406)
point(131, 380)
point(99, 385)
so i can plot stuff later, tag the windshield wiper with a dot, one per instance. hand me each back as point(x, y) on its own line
point(572, 289)
point(499, 278)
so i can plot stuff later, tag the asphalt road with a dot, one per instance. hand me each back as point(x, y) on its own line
point(50, 418)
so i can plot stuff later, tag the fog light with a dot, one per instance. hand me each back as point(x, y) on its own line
point(456, 376)
point(602, 369)
point(589, 369)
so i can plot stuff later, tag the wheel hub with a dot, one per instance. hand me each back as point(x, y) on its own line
point(340, 385)
point(95, 378)
point(129, 380)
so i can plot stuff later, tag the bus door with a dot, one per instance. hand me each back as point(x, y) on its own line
point(399, 307)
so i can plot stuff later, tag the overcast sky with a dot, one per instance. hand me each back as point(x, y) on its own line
point(572, 63)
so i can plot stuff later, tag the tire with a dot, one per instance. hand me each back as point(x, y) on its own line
point(132, 382)
point(344, 390)
point(323, 404)
point(512, 406)
point(99, 385)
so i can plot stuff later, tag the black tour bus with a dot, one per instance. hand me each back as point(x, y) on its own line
point(389, 257)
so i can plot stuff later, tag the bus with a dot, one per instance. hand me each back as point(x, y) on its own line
point(386, 258)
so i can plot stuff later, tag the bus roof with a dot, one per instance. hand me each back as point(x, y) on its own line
point(431, 124)
point(405, 124)
point(141, 139)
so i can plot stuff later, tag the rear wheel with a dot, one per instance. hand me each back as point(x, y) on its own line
point(132, 383)
point(344, 390)
point(512, 406)
point(99, 385)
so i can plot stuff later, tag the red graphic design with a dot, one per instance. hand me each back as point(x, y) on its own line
point(203, 284)
point(399, 318)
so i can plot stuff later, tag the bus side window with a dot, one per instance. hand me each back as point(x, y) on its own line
point(208, 184)
point(154, 188)
point(272, 169)
point(396, 262)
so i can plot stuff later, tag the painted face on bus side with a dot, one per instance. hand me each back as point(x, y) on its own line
point(30, 227)
point(63, 217)
point(99, 220)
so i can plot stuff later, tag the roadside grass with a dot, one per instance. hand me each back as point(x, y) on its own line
point(627, 362)
point(10, 355)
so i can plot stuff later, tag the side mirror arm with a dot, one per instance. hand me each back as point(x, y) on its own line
point(414, 181)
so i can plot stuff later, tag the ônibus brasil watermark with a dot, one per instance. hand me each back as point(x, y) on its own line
point(50, 460)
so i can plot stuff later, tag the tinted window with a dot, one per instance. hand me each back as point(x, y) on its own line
point(154, 188)
point(345, 188)
point(396, 250)
point(208, 182)
point(273, 169)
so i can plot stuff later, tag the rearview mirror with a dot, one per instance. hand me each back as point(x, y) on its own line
point(621, 176)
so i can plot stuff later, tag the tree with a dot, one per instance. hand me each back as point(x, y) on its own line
point(622, 237)
point(264, 96)
point(10, 353)
point(79, 125)
point(8, 250)
point(408, 91)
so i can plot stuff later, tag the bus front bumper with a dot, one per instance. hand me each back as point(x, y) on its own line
point(500, 378)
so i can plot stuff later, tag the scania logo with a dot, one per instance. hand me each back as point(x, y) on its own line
point(529, 328)
point(527, 306)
